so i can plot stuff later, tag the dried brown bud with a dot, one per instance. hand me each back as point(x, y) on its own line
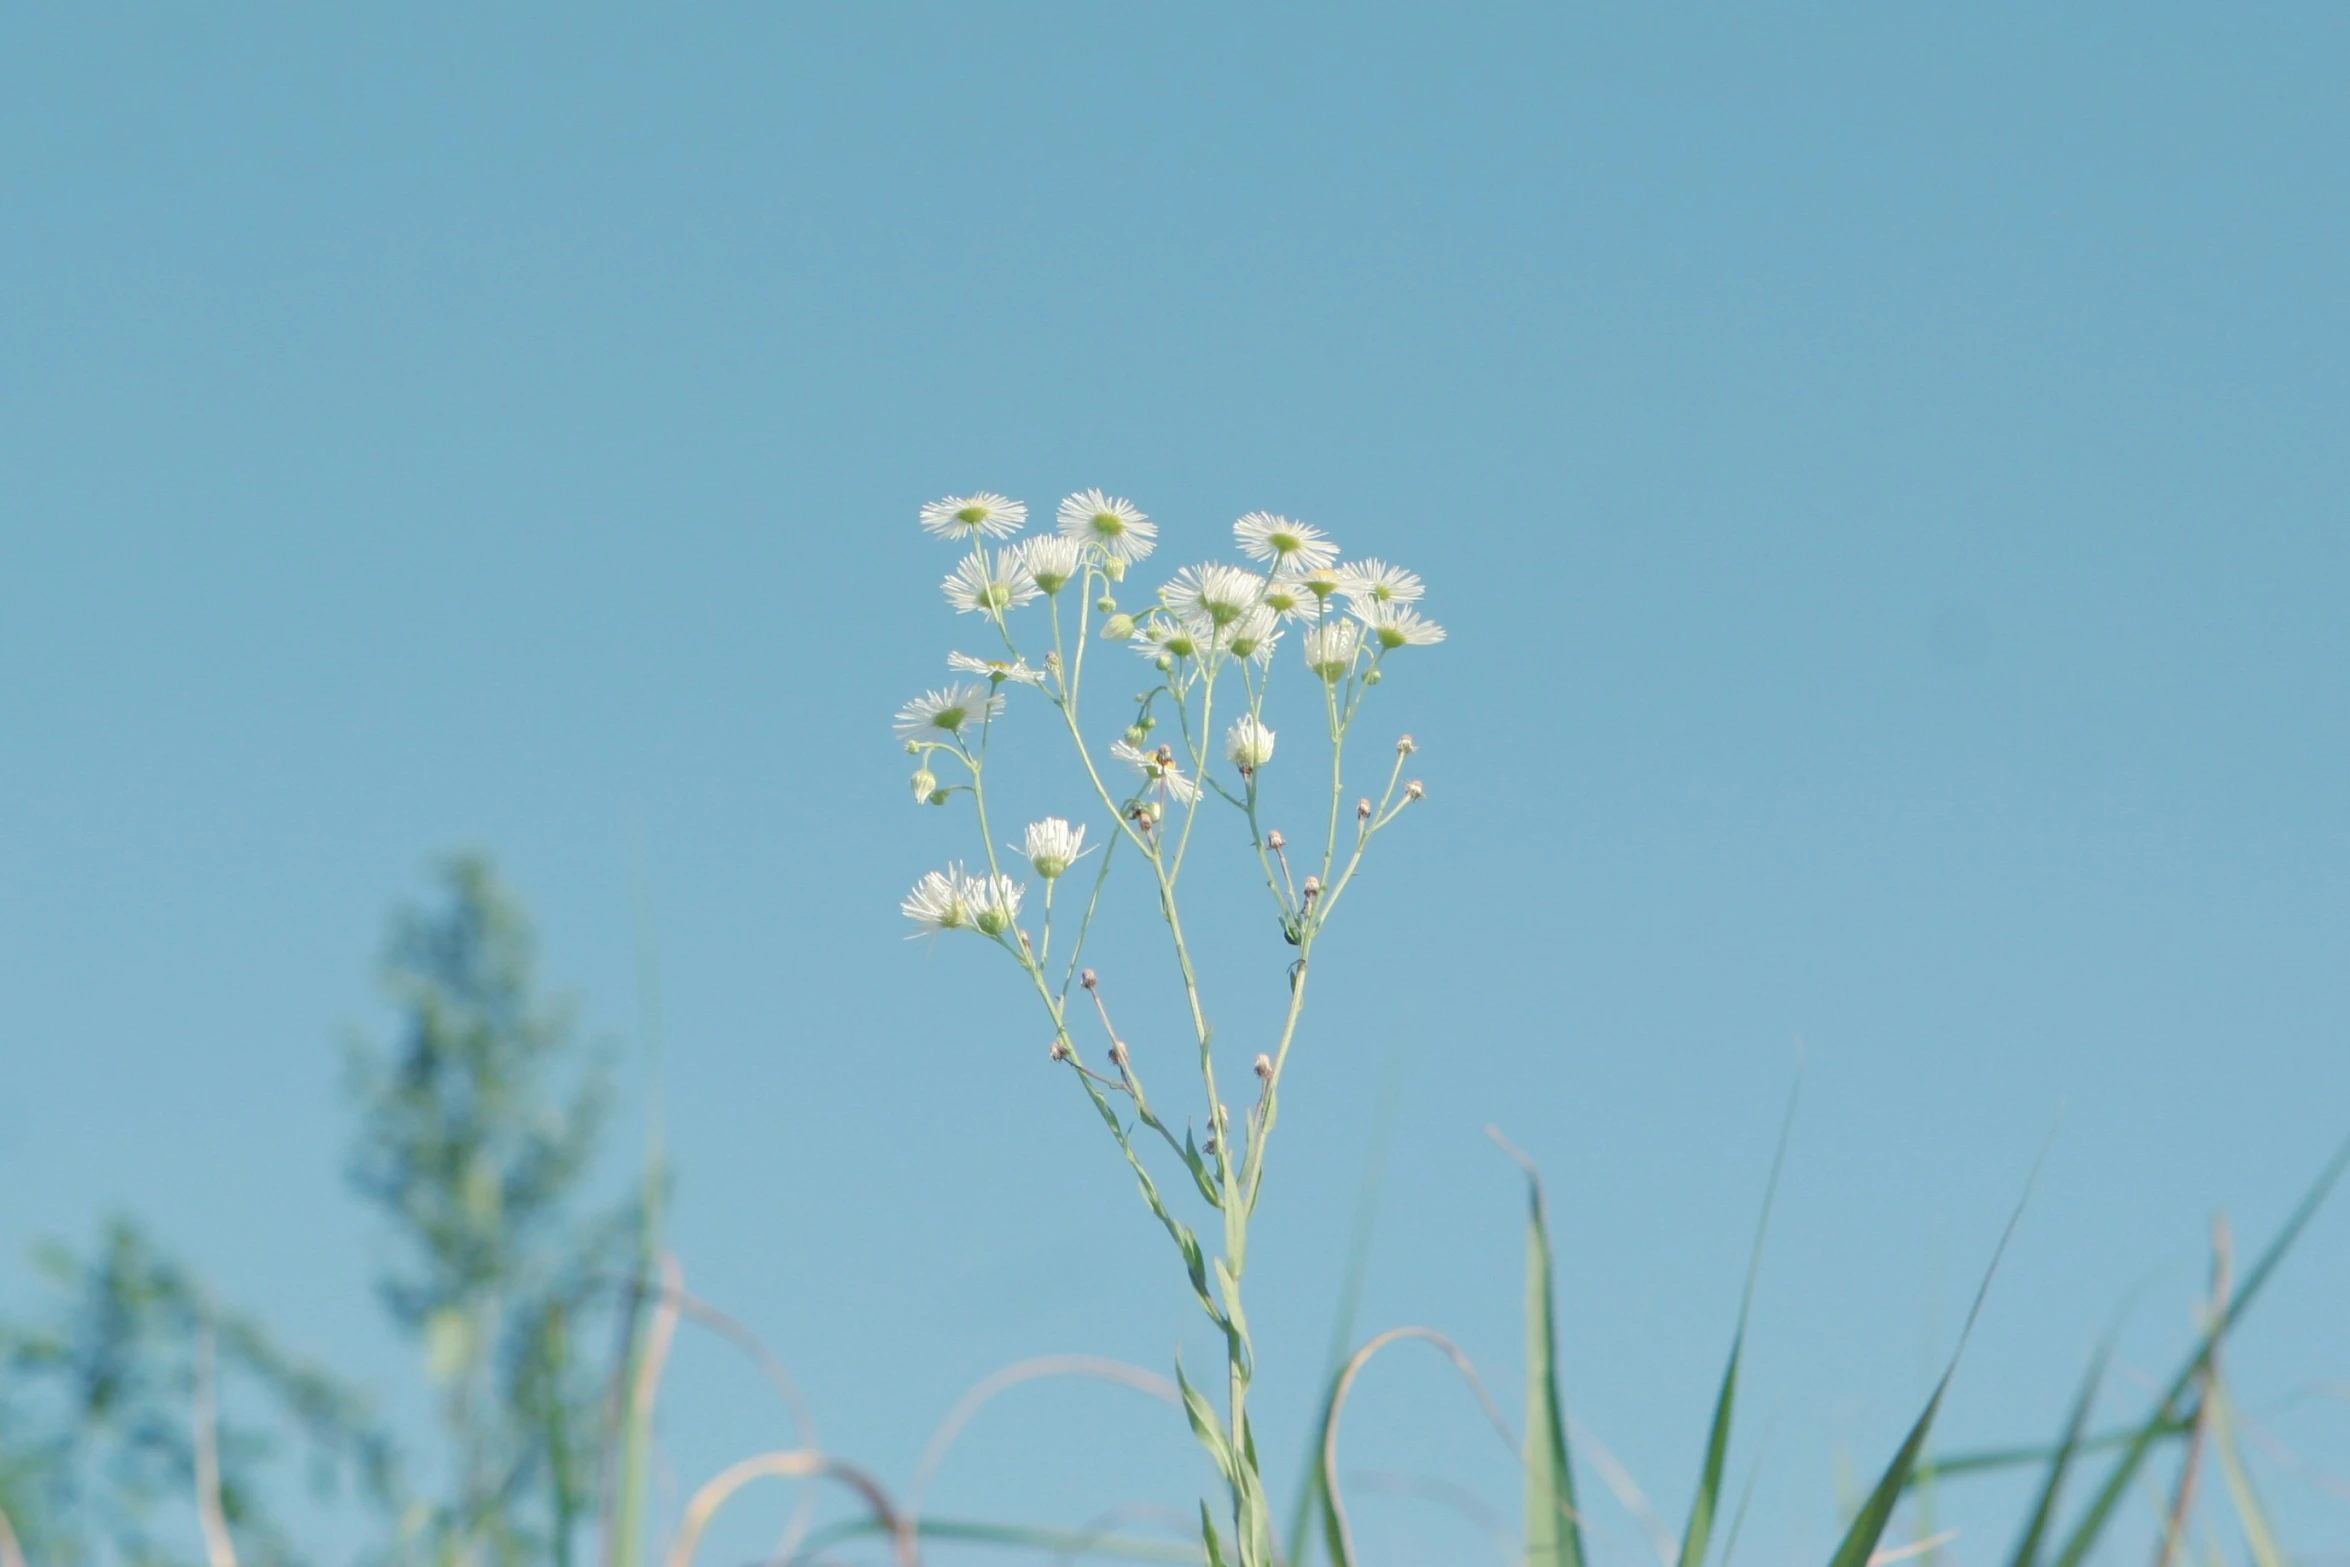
point(1415, 790)
point(1088, 979)
point(1052, 661)
point(1265, 1068)
point(1407, 745)
point(1117, 1052)
point(1363, 809)
point(1275, 842)
point(1060, 1051)
point(1166, 756)
point(1313, 887)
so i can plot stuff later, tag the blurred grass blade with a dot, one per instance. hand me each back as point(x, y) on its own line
point(2259, 1536)
point(1699, 1534)
point(2027, 1550)
point(2168, 1418)
point(1868, 1526)
point(1336, 1535)
point(1554, 1525)
point(1065, 1544)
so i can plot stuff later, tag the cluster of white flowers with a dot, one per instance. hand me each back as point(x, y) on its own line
point(1202, 620)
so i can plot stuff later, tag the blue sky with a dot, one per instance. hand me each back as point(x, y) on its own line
point(1881, 467)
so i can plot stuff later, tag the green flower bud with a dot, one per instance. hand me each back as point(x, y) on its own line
point(925, 784)
point(1371, 677)
point(1105, 605)
point(1136, 734)
point(1118, 628)
point(940, 798)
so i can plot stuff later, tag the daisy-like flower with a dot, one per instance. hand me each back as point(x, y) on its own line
point(1250, 744)
point(1318, 584)
point(1116, 524)
point(1157, 769)
point(985, 515)
point(1289, 598)
point(995, 902)
point(1185, 637)
point(982, 586)
point(1052, 559)
point(1376, 582)
point(997, 670)
point(1396, 625)
point(1052, 846)
point(1330, 648)
point(953, 714)
point(1263, 536)
point(1253, 635)
point(1222, 594)
point(941, 900)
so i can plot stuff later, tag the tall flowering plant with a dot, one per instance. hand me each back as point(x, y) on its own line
point(1208, 638)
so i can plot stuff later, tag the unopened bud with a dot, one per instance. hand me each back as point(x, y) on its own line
point(1088, 979)
point(1264, 1068)
point(1275, 842)
point(1407, 745)
point(1166, 756)
point(1208, 1147)
point(1117, 1052)
point(1136, 734)
point(1165, 662)
point(1060, 1052)
point(925, 784)
point(913, 748)
point(1313, 887)
point(1363, 809)
point(938, 797)
point(1415, 790)
point(1114, 568)
point(1105, 605)
point(1147, 723)
point(1118, 628)
point(1372, 677)
point(1052, 661)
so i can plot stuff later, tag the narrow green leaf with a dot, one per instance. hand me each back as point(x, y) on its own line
point(2027, 1550)
point(1699, 1534)
point(1208, 1540)
point(1554, 1528)
point(2167, 1412)
point(1203, 1425)
point(1868, 1526)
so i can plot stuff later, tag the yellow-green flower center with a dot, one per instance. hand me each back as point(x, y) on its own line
point(971, 516)
point(1108, 524)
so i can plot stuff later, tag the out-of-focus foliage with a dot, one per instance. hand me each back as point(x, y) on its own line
point(97, 1457)
point(478, 1134)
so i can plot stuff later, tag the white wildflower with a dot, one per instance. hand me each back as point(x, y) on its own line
point(995, 902)
point(1289, 598)
point(1331, 646)
point(1249, 745)
point(1396, 625)
point(1253, 635)
point(1113, 523)
point(982, 586)
point(1052, 846)
point(1263, 536)
point(985, 514)
point(1052, 559)
point(951, 714)
point(1319, 582)
point(997, 670)
point(1187, 637)
point(941, 900)
point(1220, 593)
point(1157, 767)
point(1376, 582)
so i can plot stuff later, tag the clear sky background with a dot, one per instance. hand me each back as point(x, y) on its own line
point(1883, 469)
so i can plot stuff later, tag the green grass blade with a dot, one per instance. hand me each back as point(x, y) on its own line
point(1011, 1536)
point(1554, 1526)
point(2027, 1550)
point(1991, 1460)
point(2167, 1414)
point(2260, 1537)
point(1699, 1534)
point(1869, 1525)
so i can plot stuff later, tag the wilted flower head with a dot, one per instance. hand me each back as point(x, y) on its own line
point(1331, 646)
point(1376, 582)
point(1396, 625)
point(1263, 536)
point(1015, 670)
point(1052, 846)
point(1158, 769)
point(953, 713)
point(1249, 744)
point(979, 585)
point(1115, 524)
point(985, 514)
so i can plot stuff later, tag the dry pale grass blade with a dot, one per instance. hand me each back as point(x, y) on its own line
point(219, 1549)
point(1104, 1524)
point(658, 1338)
point(11, 1552)
point(1341, 1534)
point(1098, 1367)
point(1902, 1553)
point(1627, 1492)
point(2182, 1502)
point(792, 1464)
